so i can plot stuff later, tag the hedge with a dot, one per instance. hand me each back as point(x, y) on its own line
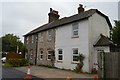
point(18, 62)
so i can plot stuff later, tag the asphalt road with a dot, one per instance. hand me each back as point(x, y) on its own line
point(13, 74)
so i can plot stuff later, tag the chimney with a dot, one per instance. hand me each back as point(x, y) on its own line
point(80, 8)
point(53, 15)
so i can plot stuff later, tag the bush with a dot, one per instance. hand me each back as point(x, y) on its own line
point(78, 68)
point(94, 71)
point(17, 62)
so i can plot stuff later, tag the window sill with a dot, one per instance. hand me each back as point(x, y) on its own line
point(75, 36)
point(49, 59)
point(49, 40)
point(74, 62)
point(60, 61)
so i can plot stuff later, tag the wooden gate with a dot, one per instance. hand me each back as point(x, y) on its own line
point(109, 65)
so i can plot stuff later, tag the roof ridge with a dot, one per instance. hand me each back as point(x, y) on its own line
point(67, 20)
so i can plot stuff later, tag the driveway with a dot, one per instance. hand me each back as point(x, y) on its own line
point(14, 74)
point(44, 72)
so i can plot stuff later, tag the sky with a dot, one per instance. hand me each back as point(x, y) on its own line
point(20, 17)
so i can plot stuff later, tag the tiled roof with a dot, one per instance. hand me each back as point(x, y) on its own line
point(103, 41)
point(67, 20)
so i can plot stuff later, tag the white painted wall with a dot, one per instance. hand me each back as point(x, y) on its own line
point(89, 32)
point(65, 41)
point(97, 25)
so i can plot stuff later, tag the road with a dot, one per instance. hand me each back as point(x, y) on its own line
point(13, 74)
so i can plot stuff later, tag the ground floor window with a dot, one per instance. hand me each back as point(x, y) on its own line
point(41, 54)
point(49, 55)
point(60, 55)
point(31, 54)
point(75, 54)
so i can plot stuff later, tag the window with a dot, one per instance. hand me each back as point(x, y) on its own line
point(31, 54)
point(27, 39)
point(32, 38)
point(75, 29)
point(41, 37)
point(75, 54)
point(49, 35)
point(49, 55)
point(36, 37)
point(41, 54)
point(60, 55)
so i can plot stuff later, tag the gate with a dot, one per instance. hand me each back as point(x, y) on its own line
point(109, 65)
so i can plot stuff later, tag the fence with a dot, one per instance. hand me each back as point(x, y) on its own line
point(109, 65)
point(13, 56)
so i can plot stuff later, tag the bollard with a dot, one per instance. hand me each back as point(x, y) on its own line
point(95, 77)
point(28, 76)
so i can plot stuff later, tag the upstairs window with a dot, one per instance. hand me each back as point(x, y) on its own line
point(49, 35)
point(75, 55)
point(60, 55)
point(32, 38)
point(36, 37)
point(75, 29)
point(41, 37)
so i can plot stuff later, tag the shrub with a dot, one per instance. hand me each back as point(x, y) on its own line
point(17, 62)
point(94, 71)
point(79, 66)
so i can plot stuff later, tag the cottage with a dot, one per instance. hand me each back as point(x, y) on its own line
point(59, 42)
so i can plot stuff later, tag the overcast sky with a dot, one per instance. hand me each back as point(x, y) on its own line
point(21, 17)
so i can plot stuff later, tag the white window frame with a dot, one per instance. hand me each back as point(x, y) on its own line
point(41, 37)
point(74, 54)
point(41, 54)
point(60, 54)
point(32, 38)
point(49, 35)
point(48, 54)
point(74, 30)
point(31, 54)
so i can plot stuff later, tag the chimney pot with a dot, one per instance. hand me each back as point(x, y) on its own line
point(80, 8)
point(80, 5)
point(50, 9)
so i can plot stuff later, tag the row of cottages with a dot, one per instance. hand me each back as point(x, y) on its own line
point(59, 42)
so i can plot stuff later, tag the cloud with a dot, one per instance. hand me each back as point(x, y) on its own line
point(21, 17)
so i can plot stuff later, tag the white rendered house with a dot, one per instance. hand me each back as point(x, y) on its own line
point(80, 37)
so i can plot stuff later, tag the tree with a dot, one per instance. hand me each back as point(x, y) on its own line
point(116, 33)
point(10, 42)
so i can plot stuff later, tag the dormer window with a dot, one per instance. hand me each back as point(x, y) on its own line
point(75, 29)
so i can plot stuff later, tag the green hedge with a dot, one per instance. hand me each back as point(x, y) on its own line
point(18, 62)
